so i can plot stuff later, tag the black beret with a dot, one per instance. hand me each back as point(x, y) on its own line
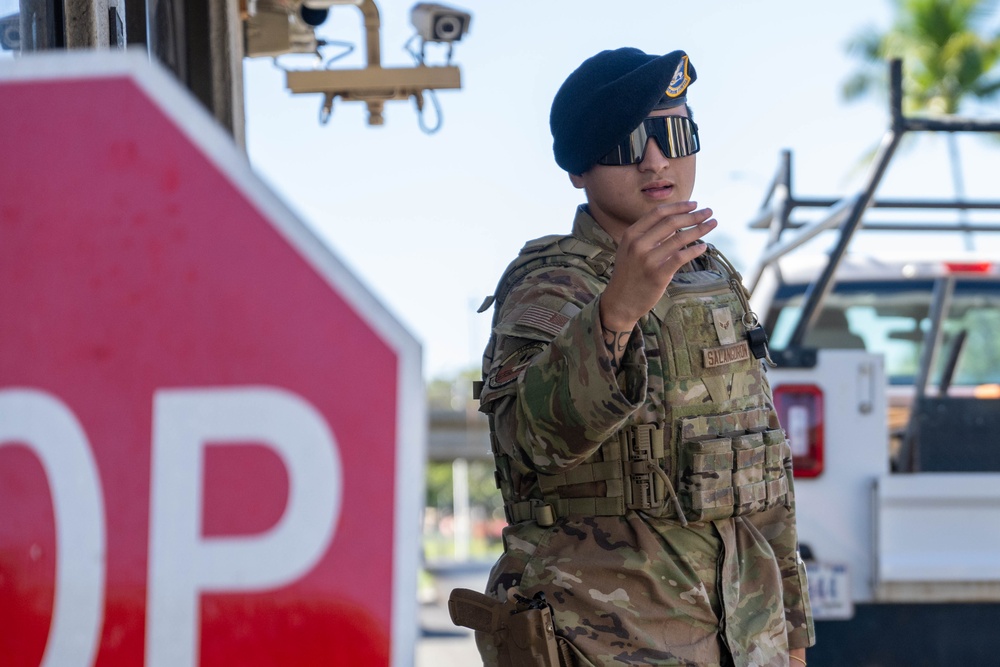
point(608, 96)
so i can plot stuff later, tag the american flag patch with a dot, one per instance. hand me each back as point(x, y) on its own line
point(544, 319)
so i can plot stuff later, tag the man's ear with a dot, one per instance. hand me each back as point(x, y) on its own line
point(577, 181)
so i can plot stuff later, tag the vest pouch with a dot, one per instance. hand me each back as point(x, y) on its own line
point(750, 489)
point(706, 478)
point(777, 451)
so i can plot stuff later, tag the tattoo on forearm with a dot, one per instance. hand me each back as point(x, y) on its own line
point(615, 341)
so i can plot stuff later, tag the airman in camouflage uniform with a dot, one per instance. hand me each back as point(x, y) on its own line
point(646, 480)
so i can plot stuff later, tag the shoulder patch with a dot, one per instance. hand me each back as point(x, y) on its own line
point(546, 320)
point(679, 82)
point(512, 366)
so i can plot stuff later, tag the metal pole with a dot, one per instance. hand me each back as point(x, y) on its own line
point(835, 217)
point(776, 210)
point(461, 510)
point(817, 292)
point(87, 24)
point(202, 44)
point(944, 289)
point(41, 25)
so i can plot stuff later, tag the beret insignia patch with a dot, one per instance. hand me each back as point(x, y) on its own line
point(679, 82)
point(514, 364)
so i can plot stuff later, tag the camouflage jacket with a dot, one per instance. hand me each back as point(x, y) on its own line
point(646, 586)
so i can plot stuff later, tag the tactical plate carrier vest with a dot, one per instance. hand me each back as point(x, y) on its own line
point(703, 445)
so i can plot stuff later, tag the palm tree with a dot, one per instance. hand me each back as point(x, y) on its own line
point(948, 57)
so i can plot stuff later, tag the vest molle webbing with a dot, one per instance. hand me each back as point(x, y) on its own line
point(706, 464)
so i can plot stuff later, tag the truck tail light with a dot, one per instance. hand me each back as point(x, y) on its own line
point(987, 391)
point(800, 409)
point(968, 267)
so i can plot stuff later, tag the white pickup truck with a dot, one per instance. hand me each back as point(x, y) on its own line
point(888, 383)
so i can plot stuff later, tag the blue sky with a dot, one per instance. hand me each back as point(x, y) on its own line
point(429, 221)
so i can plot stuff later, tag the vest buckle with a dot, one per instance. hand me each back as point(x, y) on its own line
point(642, 448)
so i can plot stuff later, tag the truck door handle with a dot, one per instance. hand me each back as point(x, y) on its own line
point(866, 387)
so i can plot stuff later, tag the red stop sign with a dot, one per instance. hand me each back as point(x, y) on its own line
point(211, 435)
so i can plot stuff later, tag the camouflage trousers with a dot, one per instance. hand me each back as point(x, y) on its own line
point(633, 590)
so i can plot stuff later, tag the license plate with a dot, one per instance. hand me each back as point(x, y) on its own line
point(829, 591)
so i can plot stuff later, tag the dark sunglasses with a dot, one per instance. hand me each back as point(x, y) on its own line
point(677, 136)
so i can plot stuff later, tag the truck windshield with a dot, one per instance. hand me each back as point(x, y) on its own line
point(891, 318)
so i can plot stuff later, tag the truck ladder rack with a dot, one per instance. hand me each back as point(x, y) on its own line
point(847, 214)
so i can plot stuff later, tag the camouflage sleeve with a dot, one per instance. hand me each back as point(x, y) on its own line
point(551, 388)
point(777, 525)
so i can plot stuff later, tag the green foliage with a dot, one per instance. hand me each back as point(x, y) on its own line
point(439, 485)
point(950, 53)
point(482, 487)
point(452, 393)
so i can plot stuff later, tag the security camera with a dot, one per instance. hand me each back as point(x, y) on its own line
point(10, 32)
point(312, 16)
point(439, 23)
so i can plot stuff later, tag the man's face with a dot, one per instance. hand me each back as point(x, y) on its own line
point(620, 195)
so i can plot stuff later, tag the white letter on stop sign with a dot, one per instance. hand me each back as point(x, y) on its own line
point(52, 432)
point(183, 563)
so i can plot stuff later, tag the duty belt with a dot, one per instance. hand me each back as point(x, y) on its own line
point(633, 474)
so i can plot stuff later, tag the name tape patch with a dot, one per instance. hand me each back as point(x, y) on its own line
point(727, 354)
